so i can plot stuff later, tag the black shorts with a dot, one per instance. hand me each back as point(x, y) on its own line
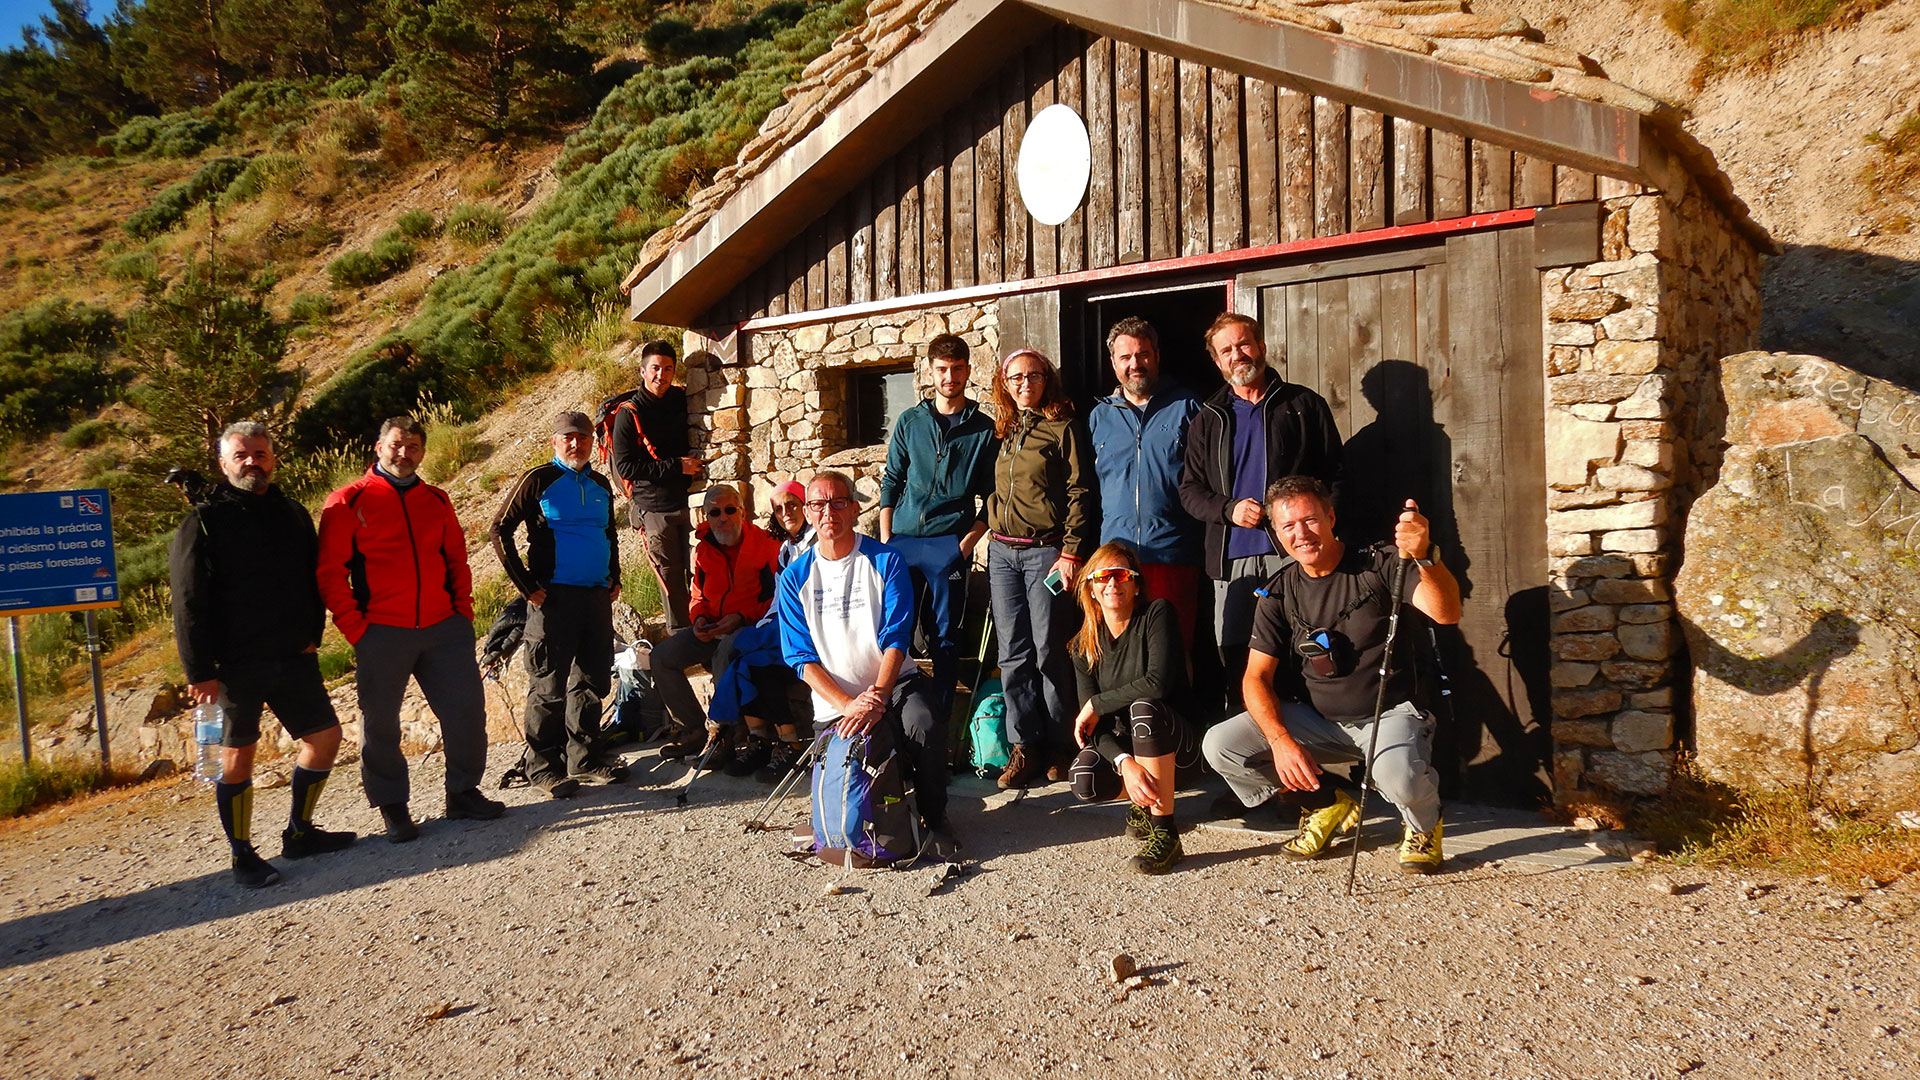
point(292, 688)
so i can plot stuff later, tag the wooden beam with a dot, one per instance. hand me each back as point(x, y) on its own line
point(1129, 153)
point(1263, 163)
point(1367, 180)
point(1329, 167)
point(1229, 193)
point(1410, 184)
point(1102, 239)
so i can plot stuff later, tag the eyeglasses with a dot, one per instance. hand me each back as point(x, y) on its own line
point(1111, 575)
point(821, 506)
point(1026, 376)
point(717, 511)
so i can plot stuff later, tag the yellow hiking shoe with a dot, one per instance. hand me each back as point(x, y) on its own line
point(1319, 827)
point(1420, 851)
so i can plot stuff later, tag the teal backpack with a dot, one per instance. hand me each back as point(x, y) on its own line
point(988, 728)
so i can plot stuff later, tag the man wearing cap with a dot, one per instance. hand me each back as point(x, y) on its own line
point(933, 495)
point(570, 577)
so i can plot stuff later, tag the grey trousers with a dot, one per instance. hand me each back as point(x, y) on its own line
point(671, 659)
point(440, 658)
point(1402, 768)
point(667, 539)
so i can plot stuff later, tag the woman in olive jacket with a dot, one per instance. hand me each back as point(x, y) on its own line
point(1042, 522)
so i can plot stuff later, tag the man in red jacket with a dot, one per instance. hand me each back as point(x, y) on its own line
point(393, 570)
point(735, 567)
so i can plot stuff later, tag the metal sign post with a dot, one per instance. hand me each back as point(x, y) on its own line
point(56, 554)
point(20, 688)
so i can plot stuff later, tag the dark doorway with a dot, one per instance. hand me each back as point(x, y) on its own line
point(1180, 314)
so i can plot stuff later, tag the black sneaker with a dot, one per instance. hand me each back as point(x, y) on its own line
point(1159, 851)
point(600, 772)
point(557, 787)
point(300, 843)
point(470, 805)
point(781, 759)
point(250, 871)
point(1139, 822)
point(400, 826)
point(749, 761)
point(1228, 805)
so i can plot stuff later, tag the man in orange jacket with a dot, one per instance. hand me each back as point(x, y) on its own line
point(735, 567)
point(393, 570)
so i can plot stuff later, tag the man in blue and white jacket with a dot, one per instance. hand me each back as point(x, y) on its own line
point(1139, 451)
point(846, 615)
point(570, 578)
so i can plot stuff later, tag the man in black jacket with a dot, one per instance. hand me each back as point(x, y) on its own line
point(247, 619)
point(655, 467)
point(1253, 431)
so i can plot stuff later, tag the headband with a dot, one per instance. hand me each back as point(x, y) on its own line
point(1017, 353)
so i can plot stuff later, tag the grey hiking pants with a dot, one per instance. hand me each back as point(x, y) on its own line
point(440, 658)
point(1402, 767)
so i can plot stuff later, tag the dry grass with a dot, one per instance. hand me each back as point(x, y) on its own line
point(26, 787)
point(122, 787)
point(1700, 822)
point(1892, 175)
point(1733, 34)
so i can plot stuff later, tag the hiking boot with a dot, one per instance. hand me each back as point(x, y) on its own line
point(781, 759)
point(300, 843)
point(470, 805)
point(719, 755)
point(747, 762)
point(600, 772)
point(250, 871)
point(1139, 822)
point(556, 786)
point(618, 737)
point(1159, 851)
point(1020, 769)
point(1420, 851)
point(683, 742)
point(400, 826)
point(1060, 769)
point(1319, 827)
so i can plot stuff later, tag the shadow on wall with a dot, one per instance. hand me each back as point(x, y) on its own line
point(1858, 309)
point(1488, 748)
point(1832, 636)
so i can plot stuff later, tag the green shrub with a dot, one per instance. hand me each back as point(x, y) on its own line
point(134, 267)
point(309, 308)
point(175, 135)
point(171, 205)
point(53, 365)
point(266, 172)
point(336, 659)
point(355, 126)
point(416, 224)
point(26, 787)
point(87, 433)
point(258, 106)
point(473, 224)
point(390, 254)
point(346, 86)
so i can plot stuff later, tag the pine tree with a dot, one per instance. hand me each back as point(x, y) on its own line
point(490, 68)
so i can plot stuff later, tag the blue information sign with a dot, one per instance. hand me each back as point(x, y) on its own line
point(56, 552)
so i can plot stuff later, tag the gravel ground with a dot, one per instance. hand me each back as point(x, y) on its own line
point(614, 935)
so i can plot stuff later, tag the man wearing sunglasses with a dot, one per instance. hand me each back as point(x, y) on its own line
point(735, 564)
point(570, 577)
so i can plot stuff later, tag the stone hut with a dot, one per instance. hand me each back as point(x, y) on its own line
point(1510, 277)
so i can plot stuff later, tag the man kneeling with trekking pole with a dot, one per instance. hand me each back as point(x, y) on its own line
point(1332, 608)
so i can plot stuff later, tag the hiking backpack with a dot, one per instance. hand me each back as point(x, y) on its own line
point(988, 728)
point(603, 418)
point(861, 815)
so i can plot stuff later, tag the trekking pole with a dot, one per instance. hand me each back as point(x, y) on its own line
point(1379, 706)
point(786, 785)
point(680, 797)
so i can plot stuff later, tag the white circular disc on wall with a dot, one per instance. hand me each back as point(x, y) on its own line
point(1055, 161)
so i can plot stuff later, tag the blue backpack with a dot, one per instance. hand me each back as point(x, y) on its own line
point(861, 816)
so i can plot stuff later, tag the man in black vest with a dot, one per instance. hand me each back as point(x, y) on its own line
point(655, 468)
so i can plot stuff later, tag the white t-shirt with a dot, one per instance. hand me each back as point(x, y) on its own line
point(844, 614)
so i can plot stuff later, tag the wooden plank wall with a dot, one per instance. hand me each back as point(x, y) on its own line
point(1187, 160)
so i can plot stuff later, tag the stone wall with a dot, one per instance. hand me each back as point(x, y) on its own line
point(777, 406)
point(1797, 596)
point(1632, 432)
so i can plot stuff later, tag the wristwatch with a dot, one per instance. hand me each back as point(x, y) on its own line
point(1433, 555)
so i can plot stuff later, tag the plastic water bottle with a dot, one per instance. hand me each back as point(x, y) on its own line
point(209, 727)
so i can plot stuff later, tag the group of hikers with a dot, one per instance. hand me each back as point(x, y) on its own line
point(1096, 536)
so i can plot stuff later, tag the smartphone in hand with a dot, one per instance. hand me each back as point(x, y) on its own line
point(1055, 583)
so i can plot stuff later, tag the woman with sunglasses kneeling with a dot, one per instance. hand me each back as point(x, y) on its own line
point(1130, 664)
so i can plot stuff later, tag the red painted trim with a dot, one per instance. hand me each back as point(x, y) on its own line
point(1223, 259)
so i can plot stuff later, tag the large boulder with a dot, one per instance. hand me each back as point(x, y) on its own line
point(1797, 596)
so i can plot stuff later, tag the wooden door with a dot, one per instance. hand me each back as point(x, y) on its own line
point(1431, 361)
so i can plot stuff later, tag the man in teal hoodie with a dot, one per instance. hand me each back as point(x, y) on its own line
point(939, 462)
